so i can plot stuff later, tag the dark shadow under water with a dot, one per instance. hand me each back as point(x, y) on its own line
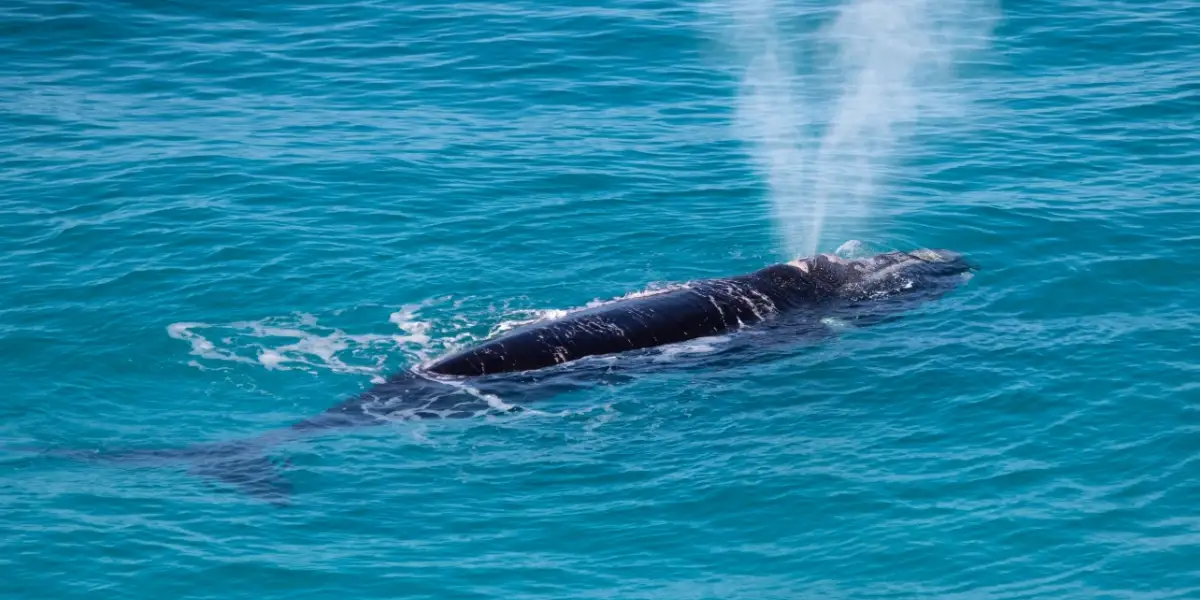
point(414, 394)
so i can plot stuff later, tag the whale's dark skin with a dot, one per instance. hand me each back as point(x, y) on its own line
point(518, 363)
point(704, 308)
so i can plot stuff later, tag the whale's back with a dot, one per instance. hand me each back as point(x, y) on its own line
point(702, 308)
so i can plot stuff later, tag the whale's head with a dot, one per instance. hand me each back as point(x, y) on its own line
point(920, 272)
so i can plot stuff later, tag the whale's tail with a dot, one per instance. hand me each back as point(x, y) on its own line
point(246, 465)
point(253, 473)
point(243, 464)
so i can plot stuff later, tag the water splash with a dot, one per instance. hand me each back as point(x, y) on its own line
point(305, 342)
point(300, 342)
point(828, 98)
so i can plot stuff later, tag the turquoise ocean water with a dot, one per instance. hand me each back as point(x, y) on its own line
point(218, 218)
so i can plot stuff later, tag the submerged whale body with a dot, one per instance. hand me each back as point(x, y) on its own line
point(795, 297)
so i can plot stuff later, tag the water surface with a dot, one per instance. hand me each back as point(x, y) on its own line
point(219, 218)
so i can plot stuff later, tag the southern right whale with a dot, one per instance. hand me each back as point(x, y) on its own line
point(709, 307)
point(797, 299)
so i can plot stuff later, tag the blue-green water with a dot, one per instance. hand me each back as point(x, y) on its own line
point(219, 218)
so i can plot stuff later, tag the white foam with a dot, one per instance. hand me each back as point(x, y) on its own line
point(652, 290)
point(270, 359)
point(200, 345)
point(416, 331)
point(853, 250)
point(493, 401)
point(523, 317)
point(299, 342)
point(835, 323)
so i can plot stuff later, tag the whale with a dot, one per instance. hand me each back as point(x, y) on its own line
point(703, 308)
point(806, 298)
